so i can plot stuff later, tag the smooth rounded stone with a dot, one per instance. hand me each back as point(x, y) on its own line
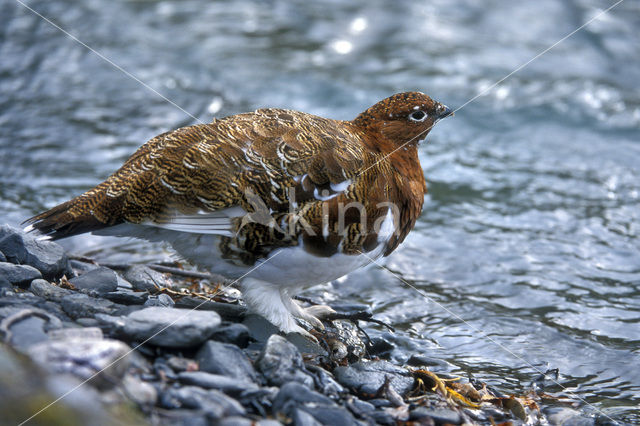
point(302, 418)
point(567, 417)
point(162, 300)
point(46, 290)
point(214, 403)
point(331, 415)
point(235, 333)
point(127, 297)
point(140, 392)
point(100, 280)
point(168, 327)
point(225, 359)
point(20, 275)
point(180, 364)
point(25, 249)
point(227, 311)
point(80, 305)
point(83, 358)
point(292, 395)
point(367, 377)
point(438, 415)
point(381, 348)
point(91, 333)
point(425, 361)
point(5, 284)
point(226, 384)
point(143, 278)
point(27, 327)
point(280, 363)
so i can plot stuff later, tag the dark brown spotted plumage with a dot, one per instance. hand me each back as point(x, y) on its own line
point(293, 179)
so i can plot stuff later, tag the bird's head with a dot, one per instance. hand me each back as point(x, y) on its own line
point(403, 118)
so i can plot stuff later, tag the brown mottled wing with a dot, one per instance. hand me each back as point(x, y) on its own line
point(212, 167)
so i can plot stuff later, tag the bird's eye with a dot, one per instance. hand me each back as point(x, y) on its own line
point(418, 116)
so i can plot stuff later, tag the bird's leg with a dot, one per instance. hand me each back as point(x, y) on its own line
point(312, 314)
point(273, 303)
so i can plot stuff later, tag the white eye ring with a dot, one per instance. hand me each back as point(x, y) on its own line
point(418, 116)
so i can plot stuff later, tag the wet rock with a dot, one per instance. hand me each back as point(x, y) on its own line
point(46, 290)
point(96, 281)
point(324, 381)
point(302, 418)
point(140, 392)
point(332, 415)
point(162, 300)
point(20, 275)
point(27, 327)
point(293, 394)
point(127, 297)
point(25, 249)
point(143, 278)
point(352, 308)
point(367, 377)
point(213, 403)
point(438, 415)
point(83, 358)
point(180, 364)
point(425, 361)
point(226, 384)
point(567, 417)
point(280, 363)
point(80, 305)
point(381, 348)
point(163, 370)
point(235, 333)
point(168, 327)
point(225, 359)
point(227, 311)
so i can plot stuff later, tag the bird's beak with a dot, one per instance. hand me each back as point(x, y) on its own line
point(444, 111)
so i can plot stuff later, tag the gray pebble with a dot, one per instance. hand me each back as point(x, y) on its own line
point(168, 327)
point(226, 384)
point(80, 305)
point(83, 358)
point(25, 249)
point(46, 290)
point(294, 394)
point(143, 278)
point(367, 377)
point(140, 392)
point(100, 280)
point(27, 327)
point(280, 363)
point(20, 275)
point(163, 300)
point(225, 359)
point(214, 403)
point(439, 415)
point(235, 333)
point(127, 297)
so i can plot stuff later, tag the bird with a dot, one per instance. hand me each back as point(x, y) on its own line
point(279, 199)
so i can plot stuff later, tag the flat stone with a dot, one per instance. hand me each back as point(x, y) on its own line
point(142, 393)
point(46, 290)
point(20, 275)
point(127, 297)
point(333, 415)
point(214, 403)
point(367, 377)
point(235, 333)
point(83, 358)
point(438, 415)
point(91, 333)
point(225, 359)
point(302, 418)
point(227, 311)
point(4, 283)
point(25, 249)
point(27, 327)
point(100, 280)
point(168, 327)
point(226, 384)
point(143, 278)
point(281, 363)
point(162, 300)
point(80, 305)
point(293, 394)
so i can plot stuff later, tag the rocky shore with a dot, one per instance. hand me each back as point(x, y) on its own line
point(89, 344)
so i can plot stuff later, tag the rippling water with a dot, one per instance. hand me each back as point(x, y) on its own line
point(527, 249)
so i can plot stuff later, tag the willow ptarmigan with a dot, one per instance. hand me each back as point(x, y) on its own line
point(279, 198)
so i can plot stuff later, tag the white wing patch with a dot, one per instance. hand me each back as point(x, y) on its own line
point(217, 223)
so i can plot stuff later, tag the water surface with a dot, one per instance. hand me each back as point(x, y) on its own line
point(527, 249)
